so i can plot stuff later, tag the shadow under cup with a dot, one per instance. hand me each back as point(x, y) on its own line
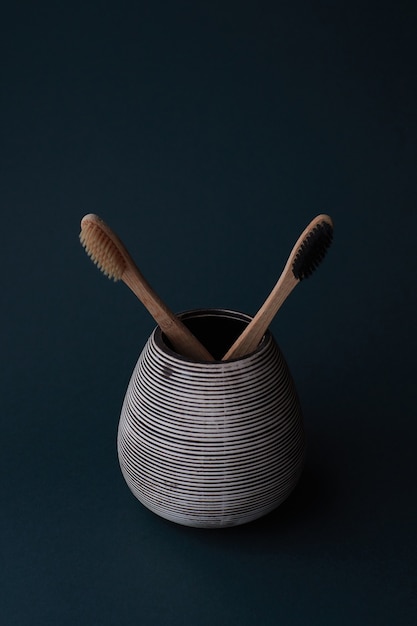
point(211, 444)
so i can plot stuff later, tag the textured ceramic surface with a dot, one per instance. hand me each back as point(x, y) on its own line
point(211, 444)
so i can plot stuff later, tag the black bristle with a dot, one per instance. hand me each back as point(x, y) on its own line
point(312, 250)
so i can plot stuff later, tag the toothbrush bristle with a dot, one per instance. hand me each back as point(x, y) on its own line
point(101, 249)
point(312, 250)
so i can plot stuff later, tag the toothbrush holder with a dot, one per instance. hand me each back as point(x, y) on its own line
point(211, 444)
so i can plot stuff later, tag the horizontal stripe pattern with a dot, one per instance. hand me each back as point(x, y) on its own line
point(211, 444)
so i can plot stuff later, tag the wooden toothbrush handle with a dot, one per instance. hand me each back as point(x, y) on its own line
point(249, 339)
point(181, 338)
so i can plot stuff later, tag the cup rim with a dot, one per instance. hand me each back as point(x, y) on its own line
point(208, 312)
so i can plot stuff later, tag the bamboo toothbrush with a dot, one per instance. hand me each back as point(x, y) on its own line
point(110, 255)
point(305, 257)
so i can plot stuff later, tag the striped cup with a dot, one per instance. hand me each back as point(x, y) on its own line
point(211, 444)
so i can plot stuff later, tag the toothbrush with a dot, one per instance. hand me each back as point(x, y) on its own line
point(110, 255)
point(305, 257)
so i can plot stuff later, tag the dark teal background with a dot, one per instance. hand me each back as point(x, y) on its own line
point(208, 134)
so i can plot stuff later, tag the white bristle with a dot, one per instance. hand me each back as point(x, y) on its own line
point(102, 251)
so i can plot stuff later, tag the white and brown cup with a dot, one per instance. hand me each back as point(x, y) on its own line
point(211, 444)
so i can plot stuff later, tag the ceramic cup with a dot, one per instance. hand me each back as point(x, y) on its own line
point(211, 444)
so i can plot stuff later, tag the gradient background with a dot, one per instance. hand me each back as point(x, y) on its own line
point(208, 134)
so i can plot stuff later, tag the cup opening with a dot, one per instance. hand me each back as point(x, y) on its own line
point(217, 329)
